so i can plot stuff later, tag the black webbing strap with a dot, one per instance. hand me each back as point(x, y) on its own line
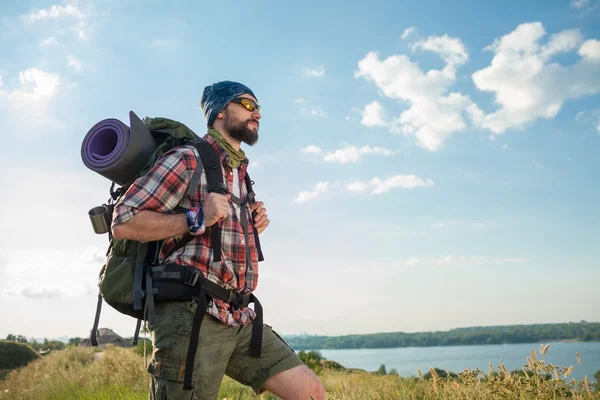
point(251, 199)
point(149, 306)
point(139, 275)
point(214, 179)
point(93, 338)
point(257, 327)
point(136, 334)
point(195, 177)
point(194, 336)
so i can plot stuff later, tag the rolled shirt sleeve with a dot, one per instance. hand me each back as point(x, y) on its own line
point(160, 189)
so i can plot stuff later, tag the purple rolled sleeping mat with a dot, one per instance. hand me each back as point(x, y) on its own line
point(117, 151)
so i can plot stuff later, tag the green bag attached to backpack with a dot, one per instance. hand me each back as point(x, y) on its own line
point(118, 274)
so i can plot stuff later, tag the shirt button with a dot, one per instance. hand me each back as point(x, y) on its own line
point(230, 172)
point(242, 241)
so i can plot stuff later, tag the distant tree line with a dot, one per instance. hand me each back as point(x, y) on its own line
point(43, 345)
point(577, 331)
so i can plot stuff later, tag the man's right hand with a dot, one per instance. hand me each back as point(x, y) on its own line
point(215, 208)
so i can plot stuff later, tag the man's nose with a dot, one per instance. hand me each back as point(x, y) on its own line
point(256, 114)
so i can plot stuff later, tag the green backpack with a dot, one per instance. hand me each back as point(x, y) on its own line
point(132, 279)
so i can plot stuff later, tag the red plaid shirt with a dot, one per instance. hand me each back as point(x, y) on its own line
point(163, 189)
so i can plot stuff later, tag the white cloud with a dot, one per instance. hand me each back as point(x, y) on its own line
point(60, 12)
point(30, 103)
point(74, 63)
point(357, 186)
point(379, 186)
point(579, 115)
point(373, 115)
point(527, 84)
point(320, 188)
point(578, 4)
point(590, 50)
point(348, 154)
point(299, 100)
point(352, 154)
point(432, 114)
point(48, 273)
point(34, 292)
point(311, 149)
point(596, 115)
point(317, 72)
point(55, 11)
point(452, 50)
point(411, 262)
point(407, 32)
point(79, 28)
point(49, 41)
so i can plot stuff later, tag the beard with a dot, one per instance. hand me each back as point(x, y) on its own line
point(240, 130)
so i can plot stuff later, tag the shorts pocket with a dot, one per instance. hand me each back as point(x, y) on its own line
point(183, 317)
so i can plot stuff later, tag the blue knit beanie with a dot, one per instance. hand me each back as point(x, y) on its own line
point(216, 96)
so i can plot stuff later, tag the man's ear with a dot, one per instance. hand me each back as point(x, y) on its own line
point(220, 115)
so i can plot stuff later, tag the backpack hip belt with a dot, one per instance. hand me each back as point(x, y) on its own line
point(173, 282)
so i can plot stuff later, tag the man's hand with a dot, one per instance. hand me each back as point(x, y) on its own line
point(215, 208)
point(261, 221)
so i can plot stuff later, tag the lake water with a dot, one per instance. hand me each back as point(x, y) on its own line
point(457, 358)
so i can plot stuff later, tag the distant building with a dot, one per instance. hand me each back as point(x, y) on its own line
point(107, 337)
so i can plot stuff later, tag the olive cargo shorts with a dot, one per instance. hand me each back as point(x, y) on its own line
point(222, 349)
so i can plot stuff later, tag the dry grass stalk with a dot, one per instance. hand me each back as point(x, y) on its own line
point(533, 356)
point(579, 359)
point(506, 374)
point(545, 349)
point(530, 363)
point(568, 371)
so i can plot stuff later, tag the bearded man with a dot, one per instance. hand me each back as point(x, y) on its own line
point(164, 206)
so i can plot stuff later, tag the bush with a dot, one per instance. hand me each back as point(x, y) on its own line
point(139, 349)
point(15, 355)
point(312, 360)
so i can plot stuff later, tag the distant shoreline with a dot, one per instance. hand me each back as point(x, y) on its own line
point(547, 341)
point(515, 334)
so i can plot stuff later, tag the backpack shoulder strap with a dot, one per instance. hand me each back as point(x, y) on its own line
point(212, 165)
point(251, 199)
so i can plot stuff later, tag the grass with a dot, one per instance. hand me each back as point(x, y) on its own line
point(76, 374)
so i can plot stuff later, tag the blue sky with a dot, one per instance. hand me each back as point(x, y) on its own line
point(424, 166)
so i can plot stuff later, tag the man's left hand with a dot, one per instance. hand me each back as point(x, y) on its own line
point(261, 221)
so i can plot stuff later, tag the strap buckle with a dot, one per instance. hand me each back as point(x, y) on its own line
point(192, 278)
point(238, 300)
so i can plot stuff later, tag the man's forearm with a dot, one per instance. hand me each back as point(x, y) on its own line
point(148, 226)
